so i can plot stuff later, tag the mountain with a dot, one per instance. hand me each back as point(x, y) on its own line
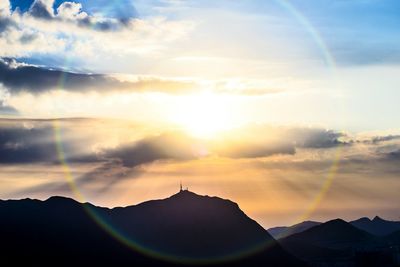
point(376, 226)
point(334, 234)
point(183, 229)
point(284, 231)
point(333, 241)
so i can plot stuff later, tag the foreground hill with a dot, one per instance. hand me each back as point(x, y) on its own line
point(184, 229)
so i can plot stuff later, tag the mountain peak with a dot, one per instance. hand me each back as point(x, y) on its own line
point(337, 222)
point(188, 198)
point(377, 218)
point(186, 193)
point(363, 220)
point(59, 199)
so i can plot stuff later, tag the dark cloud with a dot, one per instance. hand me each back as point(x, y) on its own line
point(379, 139)
point(24, 145)
point(39, 10)
point(27, 38)
point(31, 142)
point(35, 79)
point(5, 24)
point(21, 77)
point(314, 138)
point(173, 146)
point(24, 142)
point(393, 155)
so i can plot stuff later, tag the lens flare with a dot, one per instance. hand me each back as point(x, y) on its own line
point(202, 119)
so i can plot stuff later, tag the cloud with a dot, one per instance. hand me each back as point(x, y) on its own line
point(18, 77)
point(5, 24)
point(255, 149)
point(72, 12)
point(180, 146)
point(263, 141)
point(34, 141)
point(7, 110)
point(167, 146)
point(285, 155)
point(42, 9)
point(70, 29)
point(23, 145)
point(315, 138)
point(385, 138)
point(393, 155)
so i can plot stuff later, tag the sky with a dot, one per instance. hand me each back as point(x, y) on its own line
point(289, 108)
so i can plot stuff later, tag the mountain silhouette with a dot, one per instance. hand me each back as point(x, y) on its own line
point(334, 234)
point(377, 226)
point(339, 243)
point(182, 230)
point(284, 231)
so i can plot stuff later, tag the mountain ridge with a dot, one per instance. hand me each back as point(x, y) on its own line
point(182, 229)
point(377, 226)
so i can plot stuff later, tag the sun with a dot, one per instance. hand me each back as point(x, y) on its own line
point(204, 115)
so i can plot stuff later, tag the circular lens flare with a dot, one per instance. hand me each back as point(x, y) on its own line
point(204, 115)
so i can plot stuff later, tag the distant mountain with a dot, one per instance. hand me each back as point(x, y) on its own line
point(183, 229)
point(333, 241)
point(284, 231)
point(376, 226)
point(334, 234)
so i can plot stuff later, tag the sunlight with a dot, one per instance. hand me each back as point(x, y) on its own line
point(204, 115)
